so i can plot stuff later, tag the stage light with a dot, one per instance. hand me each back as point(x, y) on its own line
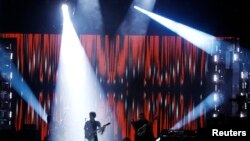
point(200, 39)
point(243, 114)
point(66, 16)
point(15, 80)
point(235, 57)
point(11, 56)
point(244, 85)
point(244, 75)
point(10, 114)
point(11, 75)
point(238, 49)
point(5, 95)
point(242, 94)
point(215, 115)
point(206, 106)
point(77, 87)
point(215, 77)
point(216, 58)
point(216, 97)
point(64, 8)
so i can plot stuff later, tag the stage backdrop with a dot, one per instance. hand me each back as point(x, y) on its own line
point(162, 76)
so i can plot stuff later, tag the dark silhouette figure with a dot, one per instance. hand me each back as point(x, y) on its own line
point(91, 128)
point(143, 129)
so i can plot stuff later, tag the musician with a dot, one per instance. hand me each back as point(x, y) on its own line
point(143, 129)
point(91, 127)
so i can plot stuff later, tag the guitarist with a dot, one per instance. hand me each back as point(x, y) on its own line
point(91, 127)
point(143, 129)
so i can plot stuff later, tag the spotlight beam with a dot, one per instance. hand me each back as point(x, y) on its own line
point(77, 88)
point(20, 85)
point(133, 19)
point(88, 16)
point(206, 105)
point(200, 39)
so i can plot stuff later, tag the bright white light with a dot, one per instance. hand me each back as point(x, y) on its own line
point(238, 49)
point(66, 17)
point(244, 75)
point(10, 114)
point(235, 57)
point(216, 58)
point(11, 75)
point(215, 115)
point(216, 97)
point(215, 78)
point(242, 114)
point(245, 105)
point(200, 39)
point(241, 94)
point(77, 88)
point(64, 8)
point(10, 95)
point(11, 56)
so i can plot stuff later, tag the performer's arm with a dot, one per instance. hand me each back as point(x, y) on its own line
point(98, 124)
point(102, 129)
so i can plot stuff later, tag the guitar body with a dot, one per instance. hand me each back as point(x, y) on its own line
point(92, 135)
point(145, 128)
point(89, 136)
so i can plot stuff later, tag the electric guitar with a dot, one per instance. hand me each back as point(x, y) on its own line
point(90, 135)
point(142, 130)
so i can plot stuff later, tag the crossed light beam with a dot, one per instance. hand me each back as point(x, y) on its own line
point(203, 41)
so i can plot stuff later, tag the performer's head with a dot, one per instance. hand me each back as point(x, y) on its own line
point(92, 115)
point(141, 116)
